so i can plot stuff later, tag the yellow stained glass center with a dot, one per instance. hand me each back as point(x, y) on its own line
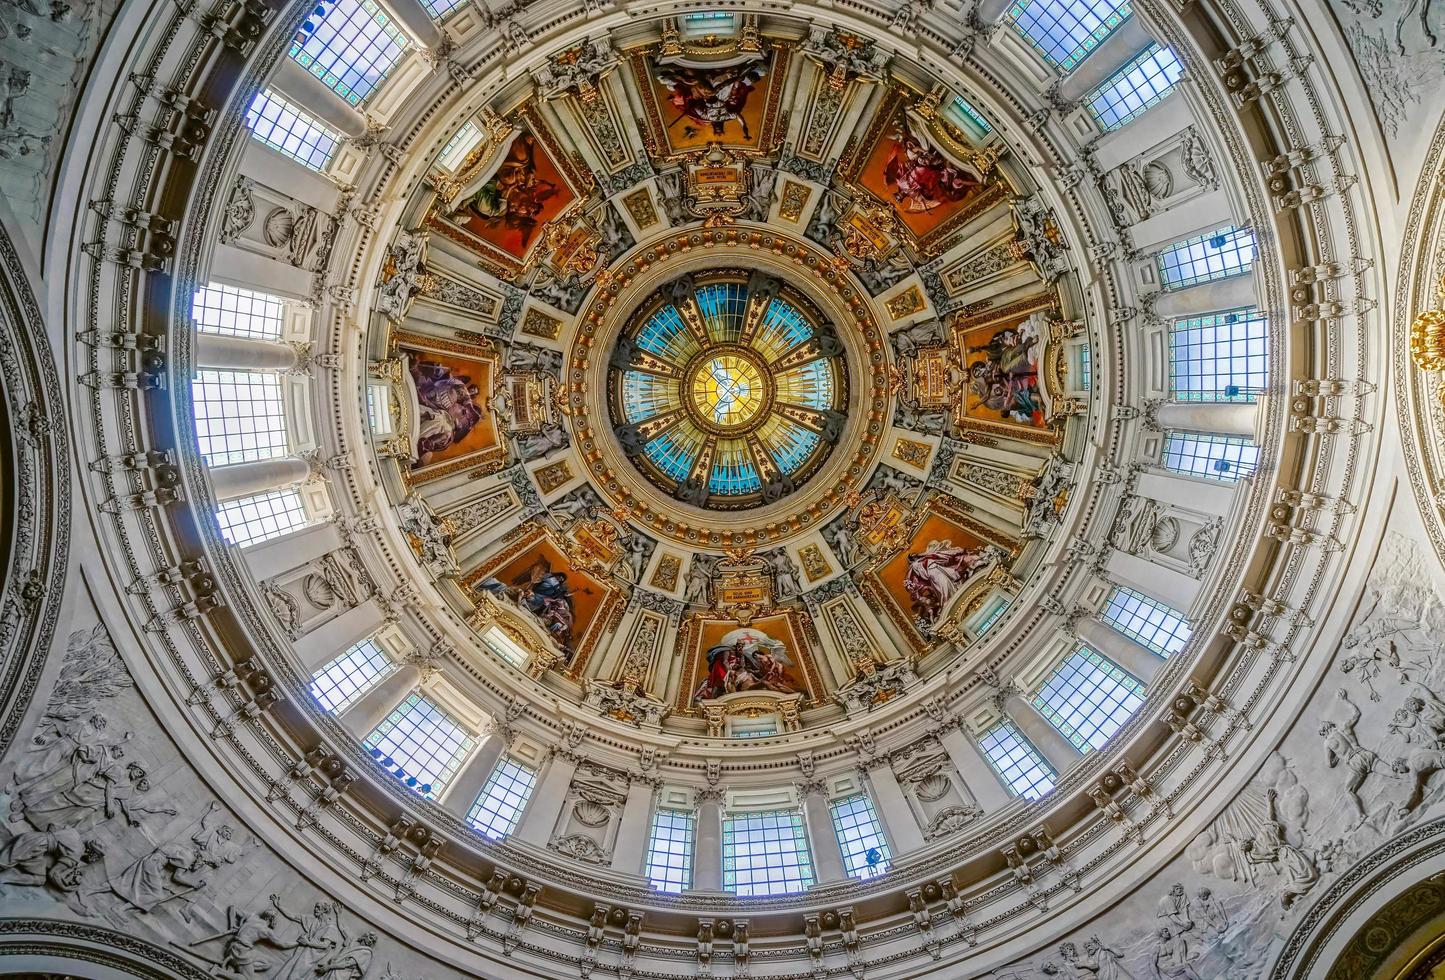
point(729, 391)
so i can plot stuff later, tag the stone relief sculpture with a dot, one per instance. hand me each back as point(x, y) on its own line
point(1336, 788)
point(86, 836)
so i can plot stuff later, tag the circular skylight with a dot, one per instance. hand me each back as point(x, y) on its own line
point(726, 390)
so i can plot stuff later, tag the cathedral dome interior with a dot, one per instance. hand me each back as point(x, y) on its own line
point(793, 491)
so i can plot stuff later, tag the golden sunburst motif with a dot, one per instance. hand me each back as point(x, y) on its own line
point(727, 390)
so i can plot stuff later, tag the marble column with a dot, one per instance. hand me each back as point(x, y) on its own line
point(1209, 297)
point(1226, 418)
point(636, 823)
point(467, 785)
point(313, 95)
point(1041, 733)
point(324, 643)
point(985, 788)
point(540, 819)
point(242, 353)
point(416, 21)
point(257, 476)
point(373, 707)
point(894, 811)
point(1137, 659)
point(827, 858)
point(707, 854)
point(1114, 52)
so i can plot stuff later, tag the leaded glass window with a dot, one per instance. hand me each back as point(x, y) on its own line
point(1143, 82)
point(460, 145)
point(239, 416)
point(965, 109)
point(1219, 357)
point(440, 8)
point(1065, 31)
point(1228, 459)
point(669, 850)
point(235, 312)
point(499, 806)
point(766, 853)
point(287, 128)
point(341, 682)
point(420, 744)
point(860, 836)
point(1216, 255)
point(351, 45)
point(1023, 770)
point(1088, 698)
point(245, 521)
point(1147, 621)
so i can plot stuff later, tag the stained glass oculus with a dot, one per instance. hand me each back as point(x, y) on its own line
point(727, 390)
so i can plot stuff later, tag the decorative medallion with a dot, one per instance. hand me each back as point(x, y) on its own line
point(553, 475)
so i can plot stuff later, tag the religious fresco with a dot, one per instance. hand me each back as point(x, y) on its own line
point(1001, 367)
point(524, 193)
point(501, 207)
point(446, 387)
point(565, 601)
point(900, 162)
point(768, 655)
point(694, 102)
point(934, 571)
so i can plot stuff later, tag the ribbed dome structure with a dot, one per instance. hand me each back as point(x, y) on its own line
point(780, 491)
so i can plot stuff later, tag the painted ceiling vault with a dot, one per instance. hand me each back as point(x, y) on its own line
point(872, 490)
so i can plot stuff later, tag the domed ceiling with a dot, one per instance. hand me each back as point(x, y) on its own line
point(807, 424)
point(741, 385)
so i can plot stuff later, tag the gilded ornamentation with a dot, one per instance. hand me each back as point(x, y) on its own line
point(553, 475)
point(815, 565)
point(795, 198)
point(639, 205)
point(664, 577)
point(913, 453)
point(1427, 337)
point(535, 323)
point(906, 303)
